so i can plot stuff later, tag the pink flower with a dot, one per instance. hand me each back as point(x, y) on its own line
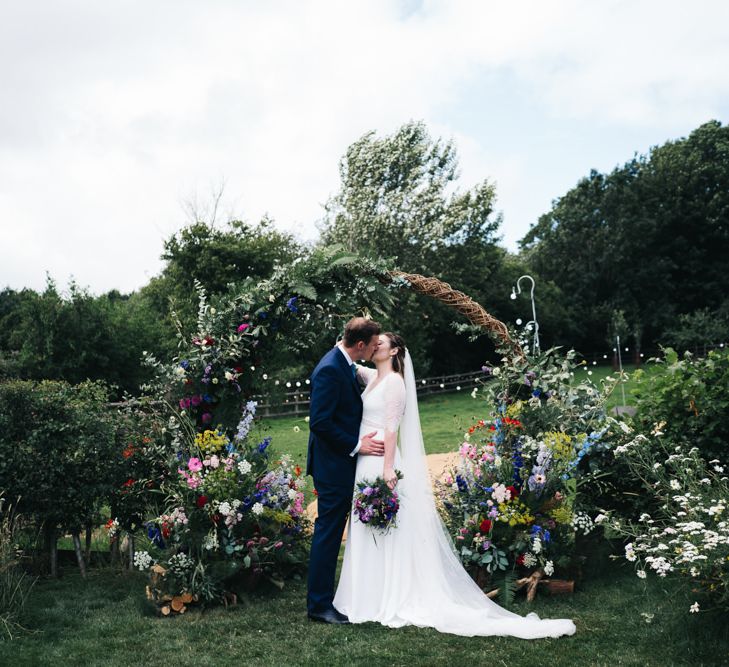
point(196, 400)
point(243, 327)
point(184, 403)
point(193, 482)
point(194, 464)
point(207, 418)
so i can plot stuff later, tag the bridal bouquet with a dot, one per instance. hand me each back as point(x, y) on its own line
point(376, 505)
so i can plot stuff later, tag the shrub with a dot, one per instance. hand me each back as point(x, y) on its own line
point(688, 397)
point(688, 533)
point(56, 444)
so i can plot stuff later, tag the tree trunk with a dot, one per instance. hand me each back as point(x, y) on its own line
point(114, 555)
point(79, 553)
point(53, 551)
point(131, 551)
point(87, 553)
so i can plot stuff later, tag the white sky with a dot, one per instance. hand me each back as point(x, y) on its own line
point(113, 114)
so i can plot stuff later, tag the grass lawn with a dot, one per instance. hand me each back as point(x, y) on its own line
point(444, 418)
point(105, 621)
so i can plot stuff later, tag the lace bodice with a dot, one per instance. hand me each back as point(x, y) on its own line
point(383, 401)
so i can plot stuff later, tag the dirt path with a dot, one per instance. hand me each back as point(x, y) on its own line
point(437, 464)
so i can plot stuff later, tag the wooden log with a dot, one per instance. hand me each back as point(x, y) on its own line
point(559, 586)
point(532, 585)
point(79, 554)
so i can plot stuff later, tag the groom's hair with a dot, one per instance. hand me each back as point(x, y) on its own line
point(360, 329)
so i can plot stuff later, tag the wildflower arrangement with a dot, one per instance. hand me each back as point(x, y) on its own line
point(376, 505)
point(233, 516)
point(141, 466)
point(520, 495)
point(687, 535)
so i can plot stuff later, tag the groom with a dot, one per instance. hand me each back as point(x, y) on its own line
point(334, 419)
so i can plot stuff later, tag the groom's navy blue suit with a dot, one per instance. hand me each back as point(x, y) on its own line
point(334, 418)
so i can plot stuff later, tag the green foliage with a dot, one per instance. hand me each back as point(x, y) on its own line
point(77, 337)
point(216, 258)
point(397, 200)
point(139, 463)
point(300, 309)
point(688, 401)
point(698, 330)
point(56, 441)
point(687, 533)
point(648, 238)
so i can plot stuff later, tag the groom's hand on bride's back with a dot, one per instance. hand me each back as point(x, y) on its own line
point(371, 447)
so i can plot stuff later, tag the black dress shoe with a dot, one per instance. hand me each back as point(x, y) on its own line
point(329, 616)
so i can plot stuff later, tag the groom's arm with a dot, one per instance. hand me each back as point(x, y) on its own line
point(325, 390)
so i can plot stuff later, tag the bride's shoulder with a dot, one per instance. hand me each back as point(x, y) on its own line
point(396, 379)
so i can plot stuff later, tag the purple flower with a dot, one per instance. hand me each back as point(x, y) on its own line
point(367, 491)
point(291, 304)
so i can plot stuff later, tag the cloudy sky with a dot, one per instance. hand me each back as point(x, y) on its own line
point(115, 116)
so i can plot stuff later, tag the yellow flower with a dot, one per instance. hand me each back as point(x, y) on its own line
point(210, 442)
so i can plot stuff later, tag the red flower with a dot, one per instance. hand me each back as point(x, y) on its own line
point(297, 471)
point(209, 340)
point(485, 526)
point(520, 559)
point(165, 530)
point(129, 451)
point(316, 493)
point(514, 492)
point(492, 428)
point(128, 483)
point(201, 501)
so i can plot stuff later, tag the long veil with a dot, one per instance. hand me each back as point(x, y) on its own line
point(430, 587)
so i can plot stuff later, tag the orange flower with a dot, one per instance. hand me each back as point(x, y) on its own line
point(129, 451)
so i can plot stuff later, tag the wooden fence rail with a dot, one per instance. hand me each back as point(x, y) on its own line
point(295, 402)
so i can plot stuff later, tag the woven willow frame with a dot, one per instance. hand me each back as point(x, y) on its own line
point(464, 304)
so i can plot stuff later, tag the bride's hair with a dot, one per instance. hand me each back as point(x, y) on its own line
point(398, 361)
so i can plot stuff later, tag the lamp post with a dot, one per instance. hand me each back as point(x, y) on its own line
point(517, 290)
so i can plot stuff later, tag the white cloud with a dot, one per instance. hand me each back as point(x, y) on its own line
point(117, 112)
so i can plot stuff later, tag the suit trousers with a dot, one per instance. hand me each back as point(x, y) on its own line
point(334, 506)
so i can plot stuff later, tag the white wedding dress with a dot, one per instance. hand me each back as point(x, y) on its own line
point(412, 576)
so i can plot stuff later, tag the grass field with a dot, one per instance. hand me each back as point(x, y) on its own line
point(105, 621)
point(444, 418)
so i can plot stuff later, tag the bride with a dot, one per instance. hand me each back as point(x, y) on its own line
point(411, 575)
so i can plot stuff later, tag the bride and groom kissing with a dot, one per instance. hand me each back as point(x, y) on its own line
point(410, 575)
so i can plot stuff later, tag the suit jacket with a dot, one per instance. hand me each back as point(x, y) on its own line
point(335, 414)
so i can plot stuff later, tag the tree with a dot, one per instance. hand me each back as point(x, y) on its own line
point(217, 259)
point(648, 238)
point(398, 200)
